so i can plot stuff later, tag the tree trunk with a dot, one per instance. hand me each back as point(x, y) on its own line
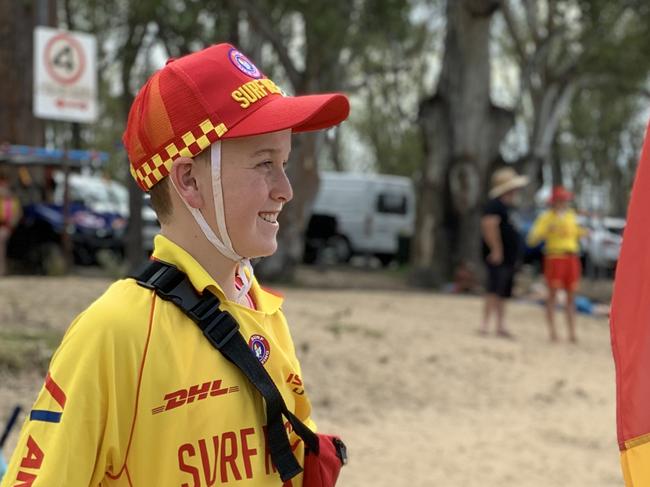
point(134, 245)
point(462, 133)
point(619, 192)
point(557, 176)
point(335, 149)
point(431, 239)
point(17, 21)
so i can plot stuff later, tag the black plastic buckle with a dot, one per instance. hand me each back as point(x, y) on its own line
point(221, 329)
point(164, 280)
point(207, 305)
point(148, 275)
point(172, 285)
point(341, 450)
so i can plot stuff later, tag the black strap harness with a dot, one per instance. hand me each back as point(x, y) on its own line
point(222, 331)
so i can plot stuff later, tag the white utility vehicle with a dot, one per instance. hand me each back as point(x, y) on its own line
point(361, 214)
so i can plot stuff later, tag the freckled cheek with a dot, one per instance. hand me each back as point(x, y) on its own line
point(245, 207)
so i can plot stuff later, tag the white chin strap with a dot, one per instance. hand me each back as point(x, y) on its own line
point(223, 245)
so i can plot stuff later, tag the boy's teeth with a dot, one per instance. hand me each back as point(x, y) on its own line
point(268, 217)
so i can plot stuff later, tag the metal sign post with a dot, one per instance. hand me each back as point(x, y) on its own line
point(65, 88)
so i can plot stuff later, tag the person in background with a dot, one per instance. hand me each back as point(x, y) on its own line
point(558, 228)
point(501, 246)
point(464, 278)
point(10, 213)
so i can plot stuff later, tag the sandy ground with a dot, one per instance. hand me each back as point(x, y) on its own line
point(418, 396)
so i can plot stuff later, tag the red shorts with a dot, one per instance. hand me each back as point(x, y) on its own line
point(562, 271)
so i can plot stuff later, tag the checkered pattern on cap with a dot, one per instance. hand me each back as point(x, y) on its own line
point(190, 144)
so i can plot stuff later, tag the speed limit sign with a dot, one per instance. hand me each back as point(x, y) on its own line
point(65, 75)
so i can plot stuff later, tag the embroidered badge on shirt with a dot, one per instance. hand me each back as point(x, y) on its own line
point(260, 347)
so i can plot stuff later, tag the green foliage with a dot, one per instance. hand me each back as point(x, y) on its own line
point(397, 149)
point(600, 142)
point(604, 124)
point(594, 52)
point(392, 77)
point(372, 48)
point(368, 46)
point(614, 36)
point(377, 49)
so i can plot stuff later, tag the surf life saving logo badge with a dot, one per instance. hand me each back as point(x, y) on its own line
point(260, 347)
point(243, 64)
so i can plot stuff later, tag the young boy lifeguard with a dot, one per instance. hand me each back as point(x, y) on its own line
point(135, 395)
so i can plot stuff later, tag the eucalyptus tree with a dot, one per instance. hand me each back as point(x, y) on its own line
point(391, 80)
point(565, 47)
point(462, 131)
point(599, 145)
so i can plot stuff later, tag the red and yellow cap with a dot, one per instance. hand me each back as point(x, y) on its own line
point(560, 194)
point(210, 95)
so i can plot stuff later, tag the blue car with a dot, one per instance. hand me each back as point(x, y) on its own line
point(36, 245)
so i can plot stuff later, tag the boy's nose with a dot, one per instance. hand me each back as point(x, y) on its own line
point(282, 190)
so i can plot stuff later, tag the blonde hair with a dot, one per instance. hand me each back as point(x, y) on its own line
point(161, 200)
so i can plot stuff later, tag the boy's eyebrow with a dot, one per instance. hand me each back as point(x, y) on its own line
point(271, 151)
point(262, 151)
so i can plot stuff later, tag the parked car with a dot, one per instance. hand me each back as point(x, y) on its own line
point(602, 246)
point(36, 243)
point(98, 221)
point(110, 198)
point(368, 214)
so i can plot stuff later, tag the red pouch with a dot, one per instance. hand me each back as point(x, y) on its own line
point(322, 469)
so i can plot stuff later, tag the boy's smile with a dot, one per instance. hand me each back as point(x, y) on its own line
point(271, 217)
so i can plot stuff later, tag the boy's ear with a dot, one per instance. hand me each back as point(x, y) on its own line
point(184, 177)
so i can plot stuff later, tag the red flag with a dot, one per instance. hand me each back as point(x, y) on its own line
point(630, 331)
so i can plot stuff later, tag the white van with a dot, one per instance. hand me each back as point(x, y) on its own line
point(360, 214)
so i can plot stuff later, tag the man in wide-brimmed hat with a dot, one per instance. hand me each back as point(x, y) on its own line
point(559, 230)
point(501, 246)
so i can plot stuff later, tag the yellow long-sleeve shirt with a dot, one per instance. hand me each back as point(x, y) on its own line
point(136, 397)
point(560, 232)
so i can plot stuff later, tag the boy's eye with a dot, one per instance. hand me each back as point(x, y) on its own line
point(270, 164)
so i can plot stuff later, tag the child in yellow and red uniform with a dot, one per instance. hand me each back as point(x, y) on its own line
point(559, 230)
point(135, 395)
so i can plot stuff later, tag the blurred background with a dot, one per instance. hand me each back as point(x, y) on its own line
point(443, 93)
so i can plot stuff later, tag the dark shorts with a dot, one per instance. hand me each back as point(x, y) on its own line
point(500, 279)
